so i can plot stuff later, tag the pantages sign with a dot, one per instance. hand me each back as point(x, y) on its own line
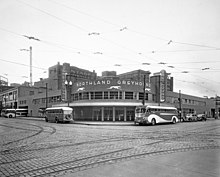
point(109, 84)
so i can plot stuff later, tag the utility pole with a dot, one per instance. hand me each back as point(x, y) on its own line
point(30, 66)
point(216, 107)
point(180, 104)
point(29, 50)
point(36, 39)
point(159, 91)
point(144, 96)
point(46, 96)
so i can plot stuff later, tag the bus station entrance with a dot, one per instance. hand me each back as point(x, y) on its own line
point(102, 113)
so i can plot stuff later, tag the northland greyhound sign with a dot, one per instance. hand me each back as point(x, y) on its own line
point(110, 84)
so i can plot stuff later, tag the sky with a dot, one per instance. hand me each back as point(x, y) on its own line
point(179, 36)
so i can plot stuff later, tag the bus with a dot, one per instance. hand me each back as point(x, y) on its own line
point(11, 113)
point(155, 114)
point(59, 114)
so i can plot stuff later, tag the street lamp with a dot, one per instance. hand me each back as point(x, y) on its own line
point(29, 50)
point(68, 88)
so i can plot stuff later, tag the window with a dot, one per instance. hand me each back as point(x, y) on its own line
point(98, 95)
point(31, 92)
point(85, 96)
point(120, 95)
point(80, 96)
point(106, 95)
point(128, 95)
point(75, 96)
point(141, 96)
point(113, 95)
point(92, 95)
point(23, 102)
point(36, 101)
point(10, 96)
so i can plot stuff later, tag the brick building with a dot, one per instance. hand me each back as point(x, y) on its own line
point(109, 97)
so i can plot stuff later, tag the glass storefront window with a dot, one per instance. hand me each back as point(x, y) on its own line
point(130, 114)
point(108, 114)
point(119, 114)
point(97, 114)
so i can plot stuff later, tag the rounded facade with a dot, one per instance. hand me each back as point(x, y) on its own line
point(108, 99)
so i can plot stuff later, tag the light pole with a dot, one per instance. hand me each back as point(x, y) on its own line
point(46, 96)
point(68, 89)
point(29, 50)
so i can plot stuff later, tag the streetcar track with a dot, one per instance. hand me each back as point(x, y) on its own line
point(67, 145)
point(118, 153)
point(107, 140)
point(115, 139)
point(41, 129)
point(76, 168)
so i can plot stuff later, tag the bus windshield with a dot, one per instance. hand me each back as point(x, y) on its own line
point(67, 111)
point(140, 110)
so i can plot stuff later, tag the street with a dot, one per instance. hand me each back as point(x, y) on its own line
point(37, 148)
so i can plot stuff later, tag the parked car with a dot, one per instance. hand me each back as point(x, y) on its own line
point(190, 117)
point(201, 117)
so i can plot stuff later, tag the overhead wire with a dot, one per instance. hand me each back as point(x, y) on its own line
point(22, 64)
point(54, 16)
point(85, 30)
point(132, 30)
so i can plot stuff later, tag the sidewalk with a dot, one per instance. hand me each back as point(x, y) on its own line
point(97, 123)
point(106, 123)
point(94, 123)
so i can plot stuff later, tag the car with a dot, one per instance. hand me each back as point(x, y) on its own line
point(190, 117)
point(201, 117)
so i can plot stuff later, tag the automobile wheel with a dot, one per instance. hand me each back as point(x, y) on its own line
point(153, 122)
point(10, 116)
point(46, 119)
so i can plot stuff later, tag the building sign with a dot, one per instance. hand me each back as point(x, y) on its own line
point(162, 86)
point(82, 74)
point(109, 84)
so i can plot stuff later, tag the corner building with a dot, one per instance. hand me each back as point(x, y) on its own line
point(110, 97)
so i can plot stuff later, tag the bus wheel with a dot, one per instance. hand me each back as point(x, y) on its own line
point(174, 121)
point(46, 119)
point(56, 120)
point(153, 122)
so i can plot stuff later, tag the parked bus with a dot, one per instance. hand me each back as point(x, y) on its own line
point(10, 113)
point(155, 114)
point(59, 114)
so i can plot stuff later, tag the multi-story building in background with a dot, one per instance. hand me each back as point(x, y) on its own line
point(161, 83)
point(109, 97)
point(46, 92)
